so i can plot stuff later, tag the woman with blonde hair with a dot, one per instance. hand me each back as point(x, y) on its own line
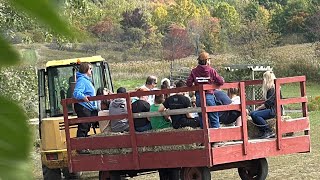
point(267, 110)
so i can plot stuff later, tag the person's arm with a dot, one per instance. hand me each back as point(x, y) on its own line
point(78, 92)
point(187, 104)
point(190, 80)
point(147, 109)
point(162, 109)
point(217, 79)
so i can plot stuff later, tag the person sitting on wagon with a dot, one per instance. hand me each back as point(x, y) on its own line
point(226, 117)
point(179, 101)
point(141, 105)
point(205, 74)
point(151, 83)
point(119, 106)
point(267, 110)
point(159, 122)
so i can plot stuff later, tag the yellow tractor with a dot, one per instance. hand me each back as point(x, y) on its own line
point(56, 82)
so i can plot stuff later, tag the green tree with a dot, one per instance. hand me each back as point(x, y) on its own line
point(15, 134)
point(229, 17)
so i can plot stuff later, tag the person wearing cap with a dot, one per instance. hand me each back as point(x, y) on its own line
point(205, 74)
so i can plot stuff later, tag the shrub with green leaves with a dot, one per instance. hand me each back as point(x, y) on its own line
point(19, 84)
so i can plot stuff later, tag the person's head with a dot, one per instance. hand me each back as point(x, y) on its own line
point(159, 99)
point(103, 91)
point(233, 92)
point(165, 83)
point(151, 82)
point(204, 58)
point(85, 68)
point(145, 98)
point(268, 82)
point(121, 90)
point(180, 83)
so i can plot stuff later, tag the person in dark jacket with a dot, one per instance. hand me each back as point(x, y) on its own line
point(205, 74)
point(84, 89)
point(141, 105)
point(267, 110)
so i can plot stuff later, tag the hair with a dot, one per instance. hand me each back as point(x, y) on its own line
point(159, 99)
point(180, 83)
point(106, 103)
point(233, 91)
point(100, 91)
point(165, 82)
point(121, 90)
point(151, 80)
point(165, 85)
point(84, 67)
point(268, 82)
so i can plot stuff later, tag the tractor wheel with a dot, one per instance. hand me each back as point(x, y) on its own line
point(51, 174)
point(169, 174)
point(68, 175)
point(258, 169)
point(195, 173)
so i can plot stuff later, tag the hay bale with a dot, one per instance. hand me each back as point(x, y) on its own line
point(253, 130)
point(145, 149)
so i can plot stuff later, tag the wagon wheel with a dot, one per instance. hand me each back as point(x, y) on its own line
point(257, 170)
point(104, 175)
point(169, 174)
point(195, 173)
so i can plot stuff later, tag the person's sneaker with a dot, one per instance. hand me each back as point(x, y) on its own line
point(268, 134)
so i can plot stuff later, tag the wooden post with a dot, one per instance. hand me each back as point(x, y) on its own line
point(67, 131)
point(132, 133)
point(205, 123)
point(304, 104)
point(244, 117)
point(278, 114)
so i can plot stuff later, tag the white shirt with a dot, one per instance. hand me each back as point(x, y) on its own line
point(104, 125)
point(236, 100)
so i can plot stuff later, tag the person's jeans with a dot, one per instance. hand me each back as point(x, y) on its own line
point(144, 128)
point(259, 117)
point(213, 117)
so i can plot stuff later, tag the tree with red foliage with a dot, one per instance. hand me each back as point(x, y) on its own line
point(176, 44)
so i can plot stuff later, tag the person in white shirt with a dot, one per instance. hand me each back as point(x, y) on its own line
point(151, 84)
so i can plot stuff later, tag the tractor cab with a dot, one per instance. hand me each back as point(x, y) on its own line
point(57, 82)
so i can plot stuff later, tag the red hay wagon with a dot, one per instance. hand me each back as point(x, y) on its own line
point(239, 151)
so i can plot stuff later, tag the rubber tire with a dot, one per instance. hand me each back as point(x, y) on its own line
point(102, 176)
point(115, 175)
point(169, 174)
point(203, 173)
point(68, 175)
point(51, 174)
point(258, 170)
